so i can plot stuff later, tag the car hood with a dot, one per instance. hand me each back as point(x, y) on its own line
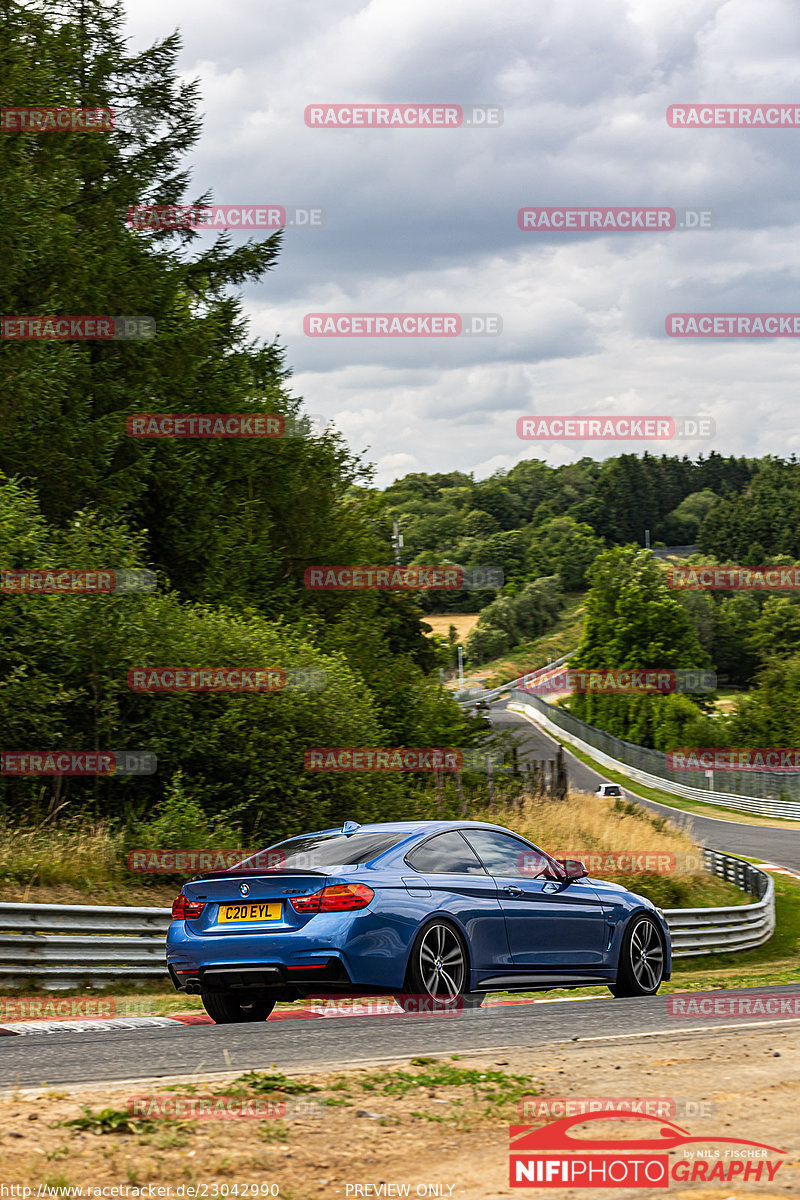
point(605, 887)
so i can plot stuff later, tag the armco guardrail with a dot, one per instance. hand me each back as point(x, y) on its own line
point(496, 693)
point(58, 946)
point(561, 724)
point(760, 785)
point(61, 945)
point(696, 931)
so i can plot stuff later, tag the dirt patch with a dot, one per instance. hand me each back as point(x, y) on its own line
point(435, 1122)
point(440, 623)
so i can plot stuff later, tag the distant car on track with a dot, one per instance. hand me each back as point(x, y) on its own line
point(611, 789)
point(440, 910)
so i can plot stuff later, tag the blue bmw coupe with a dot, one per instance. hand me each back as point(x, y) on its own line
point(444, 910)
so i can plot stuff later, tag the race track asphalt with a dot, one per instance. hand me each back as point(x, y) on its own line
point(60, 1058)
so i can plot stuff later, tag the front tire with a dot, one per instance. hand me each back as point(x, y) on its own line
point(228, 1008)
point(641, 960)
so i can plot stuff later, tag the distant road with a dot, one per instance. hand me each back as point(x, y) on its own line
point(781, 846)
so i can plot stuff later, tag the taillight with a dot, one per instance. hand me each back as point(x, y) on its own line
point(339, 897)
point(306, 904)
point(342, 896)
point(184, 909)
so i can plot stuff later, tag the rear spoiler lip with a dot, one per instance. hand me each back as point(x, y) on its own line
point(257, 871)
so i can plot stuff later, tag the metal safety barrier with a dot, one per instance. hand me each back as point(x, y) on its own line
point(570, 729)
point(66, 945)
point(696, 931)
point(58, 946)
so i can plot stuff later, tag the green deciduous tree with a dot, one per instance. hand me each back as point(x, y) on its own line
point(632, 620)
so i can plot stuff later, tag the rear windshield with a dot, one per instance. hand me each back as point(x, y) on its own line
point(333, 849)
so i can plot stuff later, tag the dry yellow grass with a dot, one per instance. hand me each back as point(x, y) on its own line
point(596, 823)
point(86, 863)
point(588, 826)
point(88, 853)
point(82, 863)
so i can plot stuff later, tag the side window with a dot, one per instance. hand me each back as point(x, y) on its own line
point(445, 854)
point(502, 854)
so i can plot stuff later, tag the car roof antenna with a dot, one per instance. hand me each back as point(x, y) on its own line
point(350, 827)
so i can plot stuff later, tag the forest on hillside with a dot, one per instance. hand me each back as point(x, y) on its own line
point(229, 527)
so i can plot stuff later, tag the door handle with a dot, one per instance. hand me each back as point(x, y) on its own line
point(513, 890)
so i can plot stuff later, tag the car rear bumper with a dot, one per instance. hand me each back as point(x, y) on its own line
point(344, 949)
point(265, 976)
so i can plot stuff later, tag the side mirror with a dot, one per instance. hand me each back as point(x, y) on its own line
point(573, 868)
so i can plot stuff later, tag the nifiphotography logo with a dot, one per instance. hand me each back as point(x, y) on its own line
point(555, 1156)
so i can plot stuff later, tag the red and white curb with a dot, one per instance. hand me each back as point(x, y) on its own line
point(327, 1012)
point(776, 870)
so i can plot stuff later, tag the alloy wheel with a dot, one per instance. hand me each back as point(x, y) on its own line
point(647, 955)
point(442, 965)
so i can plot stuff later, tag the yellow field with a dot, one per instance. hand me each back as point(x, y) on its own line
point(464, 623)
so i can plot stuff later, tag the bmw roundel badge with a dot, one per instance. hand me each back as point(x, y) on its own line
point(244, 889)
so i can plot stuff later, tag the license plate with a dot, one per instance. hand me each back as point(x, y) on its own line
point(249, 912)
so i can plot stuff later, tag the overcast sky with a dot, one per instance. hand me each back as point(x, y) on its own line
point(426, 220)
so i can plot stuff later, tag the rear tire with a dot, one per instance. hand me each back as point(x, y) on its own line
point(227, 1008)
point(438, 971)
point(641, 960)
